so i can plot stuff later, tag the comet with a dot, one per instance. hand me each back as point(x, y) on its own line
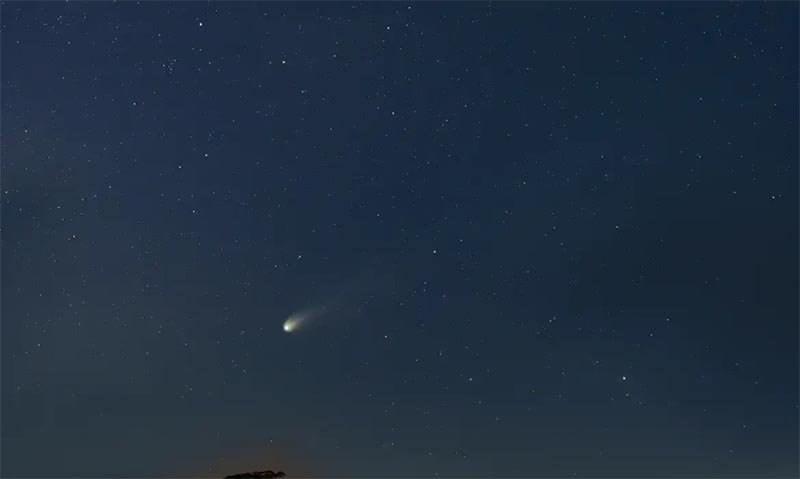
point(345, 301)
point(297, 320)
point(293, 322)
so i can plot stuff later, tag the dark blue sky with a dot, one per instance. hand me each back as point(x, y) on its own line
point(542, 239)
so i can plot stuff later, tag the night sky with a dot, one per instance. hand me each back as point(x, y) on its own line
point(510, 239)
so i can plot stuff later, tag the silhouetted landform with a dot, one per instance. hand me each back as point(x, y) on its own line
point(257, 474)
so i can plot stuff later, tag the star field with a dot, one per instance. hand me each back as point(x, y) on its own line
point(521, 239)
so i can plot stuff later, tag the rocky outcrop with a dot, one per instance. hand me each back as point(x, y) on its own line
point(257, 474)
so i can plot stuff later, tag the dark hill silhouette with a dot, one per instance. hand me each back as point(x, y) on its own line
point(257, 474)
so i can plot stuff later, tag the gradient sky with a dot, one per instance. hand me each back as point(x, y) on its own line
point(543, 239)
